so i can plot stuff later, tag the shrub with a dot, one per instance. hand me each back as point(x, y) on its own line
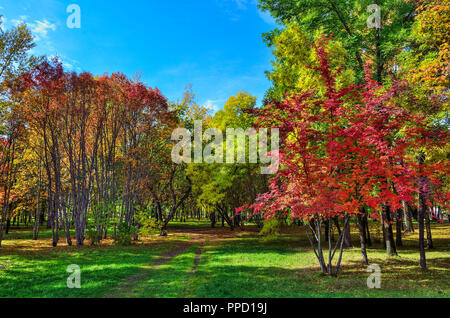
point(272, 227)
point(147, 224)
point(124, 234)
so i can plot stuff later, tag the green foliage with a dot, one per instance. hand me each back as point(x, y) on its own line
point(272, 227)
point(426, 62)
point(147, 224)
point(15, 45)
point(347, 21)
point(124, 234)
point(233, 113)
point(188, 110)
point(230, 185)
point(293, 58)
point(97, 222)
point(92, 234)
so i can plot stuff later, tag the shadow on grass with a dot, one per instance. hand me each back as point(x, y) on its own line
point(102, 268)
point(268, 281)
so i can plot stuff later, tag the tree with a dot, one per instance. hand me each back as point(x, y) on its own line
point(41, 93)
point(344, 153)
point(426, 61)
point(293, 57)
point(347, 21)
point(222, 187)
point(165, 182)
point(80, 120)
point(14, 59)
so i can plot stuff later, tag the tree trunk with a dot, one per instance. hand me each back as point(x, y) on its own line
point(362, 236)
point(224, 214)
point(429, 236)
point(398, 229)
point(37, 214)
point(319, 243)
point(366, 227)
point(421, 216)
point(327, 229)
point(409, 227)
point(66, 224)
point(330, 255)
point(388, 232)
point(347, 237)
point(8, 225)
point(212, 217)
point(54, 225)
point(336, 223)
point(341, 251)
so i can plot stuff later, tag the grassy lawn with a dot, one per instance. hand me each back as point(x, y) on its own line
point(251, 268)
point(168, 280)
point(240, 265)
point(30, 271)
point(25, 233)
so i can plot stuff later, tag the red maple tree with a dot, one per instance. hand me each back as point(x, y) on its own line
point(346, 153)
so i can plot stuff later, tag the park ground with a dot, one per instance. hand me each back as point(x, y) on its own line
point(196, 261)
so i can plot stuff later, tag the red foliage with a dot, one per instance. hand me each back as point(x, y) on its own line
point(346, 150)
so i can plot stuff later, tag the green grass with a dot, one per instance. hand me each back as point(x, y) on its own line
point(167, 280)
point(26, 233)
point(252, 268)
point(43, 273)
point(243, 265)
point(191, 223)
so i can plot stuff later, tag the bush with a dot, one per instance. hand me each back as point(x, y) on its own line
point(272, 227)
point(92, 235)
point(97, 222)
point(147, 224)
point(124, 234)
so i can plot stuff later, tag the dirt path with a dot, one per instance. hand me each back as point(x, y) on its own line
point(202, 236)
point(197, 259)
point(124, 287)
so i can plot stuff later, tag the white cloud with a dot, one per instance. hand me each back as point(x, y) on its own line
point(17, 22)
point(241, 4)
point(234, 8)
point(3, 21)
point(68, 66)
point(39, 28)
point(42, 27)
point(68, 63)
point(213, 105)
point(267, 17)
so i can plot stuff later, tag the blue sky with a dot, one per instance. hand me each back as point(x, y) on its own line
point(215, 45)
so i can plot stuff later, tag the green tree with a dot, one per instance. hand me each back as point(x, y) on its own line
point(293, 61)
point(223, 187)
point(14, 59)
point(347, 21)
